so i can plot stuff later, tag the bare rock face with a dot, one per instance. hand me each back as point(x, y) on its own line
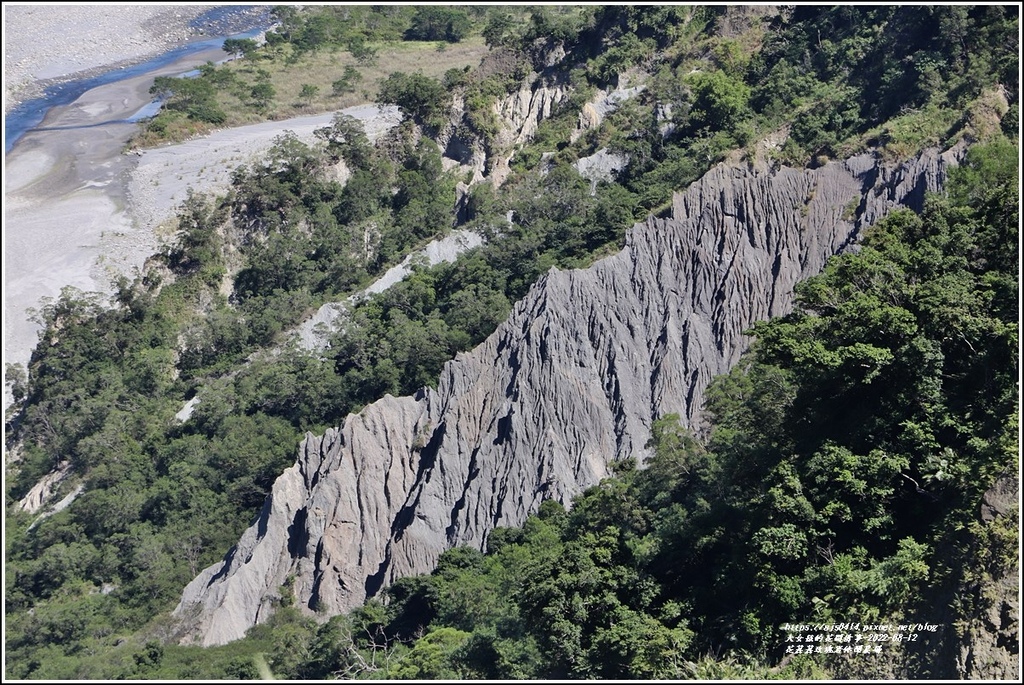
point(600, 106)
point(43, 490)
point(990, 647)
point(568, 384)
point(600, 166)
point(518, 116)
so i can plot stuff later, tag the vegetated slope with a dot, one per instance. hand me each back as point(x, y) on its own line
point(859, 482)
point(569, 384)
point(151, 501)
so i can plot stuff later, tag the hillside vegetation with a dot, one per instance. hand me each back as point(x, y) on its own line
point(848, 451)
point(840, 483)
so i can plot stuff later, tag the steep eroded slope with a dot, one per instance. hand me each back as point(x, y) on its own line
point(568, 384)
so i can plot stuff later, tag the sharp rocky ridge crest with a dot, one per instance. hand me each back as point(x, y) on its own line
point(570, 383)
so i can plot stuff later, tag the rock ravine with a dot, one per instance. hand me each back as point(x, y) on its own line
point(570, 383)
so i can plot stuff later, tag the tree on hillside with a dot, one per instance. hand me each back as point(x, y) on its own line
point(262, 94)
point(416, 95)
point(438, 23)
point(308, 92)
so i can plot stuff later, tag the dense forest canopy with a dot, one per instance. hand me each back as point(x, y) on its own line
point(847, 453)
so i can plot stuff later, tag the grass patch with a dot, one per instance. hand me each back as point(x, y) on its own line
point(287, 74)
point(904, 135)
point(321, 69)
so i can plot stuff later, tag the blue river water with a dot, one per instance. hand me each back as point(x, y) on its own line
point(28, 115)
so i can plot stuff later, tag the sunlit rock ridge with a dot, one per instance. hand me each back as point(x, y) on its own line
point(570, 383)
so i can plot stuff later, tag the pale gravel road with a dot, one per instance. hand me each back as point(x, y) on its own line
point(163, 176)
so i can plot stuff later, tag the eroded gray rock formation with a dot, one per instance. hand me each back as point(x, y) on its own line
point(568, 384)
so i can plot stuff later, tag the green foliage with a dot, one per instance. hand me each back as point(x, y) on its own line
point(162, 499)
point(438, 23)
point(194, 97)
point(718, 101)
point(849, 449)
point(347, 83)
point(500, 30)
point(262, 95)
point(352, 27)
point(431, 657)
point(240, 47)
point(844, 70)
point(417, 95)
point(364, 53)
point(627, 53)
point(821, 492)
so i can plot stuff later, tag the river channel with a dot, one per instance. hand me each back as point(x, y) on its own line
point(65, 207)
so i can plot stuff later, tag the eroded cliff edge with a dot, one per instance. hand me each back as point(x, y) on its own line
point(568, 384)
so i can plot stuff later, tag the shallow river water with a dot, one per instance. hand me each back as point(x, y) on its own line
point(65, 220)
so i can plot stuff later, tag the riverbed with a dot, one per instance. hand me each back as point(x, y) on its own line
point(67, 214)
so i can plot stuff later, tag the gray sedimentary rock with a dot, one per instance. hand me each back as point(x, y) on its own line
point(517, 115)
point(568, 384)
point(600, 166)
point(601, 105)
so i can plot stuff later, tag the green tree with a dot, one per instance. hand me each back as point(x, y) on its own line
point(347, 83)
point(240, 47)
point(431, 656)
point(500, 29)
point(719, 101)
point(308, 92)
point(432, 23)
point(262, 95)
point(195, 97)
point(417, 95)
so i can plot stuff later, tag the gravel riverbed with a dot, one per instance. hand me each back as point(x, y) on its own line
point(45, 44)
point(66, 222)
